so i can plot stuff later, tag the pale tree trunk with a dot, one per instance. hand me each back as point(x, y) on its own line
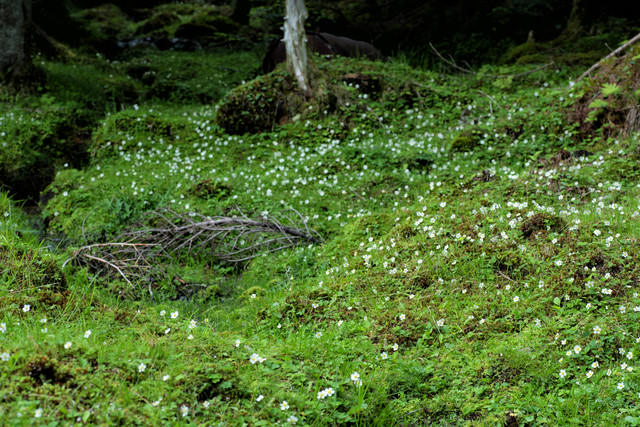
point(15, 16)
point(295, 40)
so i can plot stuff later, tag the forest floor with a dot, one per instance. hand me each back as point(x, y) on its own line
point(479, 263)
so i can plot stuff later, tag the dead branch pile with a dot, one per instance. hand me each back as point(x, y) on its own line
point(229, 238)
point(139, 253)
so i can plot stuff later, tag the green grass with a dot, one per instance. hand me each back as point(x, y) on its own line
point(457, 282)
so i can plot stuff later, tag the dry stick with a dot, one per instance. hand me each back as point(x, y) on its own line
point(614, 53)
point(102, 260)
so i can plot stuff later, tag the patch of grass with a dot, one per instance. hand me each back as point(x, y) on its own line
point(486, 284)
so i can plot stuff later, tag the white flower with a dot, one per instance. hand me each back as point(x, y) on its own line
point(184, 410)
point(87, 333)
point(577, 349)
point(142, 367)
point(237, 343)
point(562, 373)
point(166, 377)
point(174, 315)
point(4, 356)
point(516, 298)
point(38, 413)
point(384, 355)
point(67, 345)
point(26, 308)
point(589, 374)
point(163, 312)
point(402, 316)
point(3, 327)
point(193, 324)
point(440, 322)
point(597, 330)
point(284, 405)
point(620, 386)
point(259, 398)
point(318, 334)
point(256, 358)
point(206, 403)
point(395, 347)
point(292, 419)
point(595, 365)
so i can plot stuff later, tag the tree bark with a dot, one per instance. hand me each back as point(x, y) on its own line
point(15, 16)
point(295, 40)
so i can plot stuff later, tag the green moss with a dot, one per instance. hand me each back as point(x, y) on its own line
point(467, 140)
point(103, 25)
point(32, 277)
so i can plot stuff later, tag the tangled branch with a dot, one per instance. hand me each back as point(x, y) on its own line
point(138, 253)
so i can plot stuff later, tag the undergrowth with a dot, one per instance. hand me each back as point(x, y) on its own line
point(480, 263)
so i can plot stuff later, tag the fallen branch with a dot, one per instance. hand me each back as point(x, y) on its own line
point(235, 239)
point(612, 54)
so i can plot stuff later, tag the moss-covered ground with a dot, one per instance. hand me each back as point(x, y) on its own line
point(480, 262)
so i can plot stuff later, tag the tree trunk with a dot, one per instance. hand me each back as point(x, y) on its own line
point(15, 16)
point(295, 40)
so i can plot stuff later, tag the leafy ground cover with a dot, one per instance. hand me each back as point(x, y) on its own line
point(479, 263)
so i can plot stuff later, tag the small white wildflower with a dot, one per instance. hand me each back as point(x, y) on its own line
point(67, 345)
point(562, 373)
point(284, 405)
point(87, 333)
point(142, 367)
point(259, 398)
point(184, 410)
point(26, 308)
point(174, 315)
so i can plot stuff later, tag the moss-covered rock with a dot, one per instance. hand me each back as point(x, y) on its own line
point(103, 26)
point(467, 140)
point(273, 99)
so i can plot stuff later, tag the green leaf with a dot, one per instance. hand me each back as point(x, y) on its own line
point(609, 89)
point(599, 103)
